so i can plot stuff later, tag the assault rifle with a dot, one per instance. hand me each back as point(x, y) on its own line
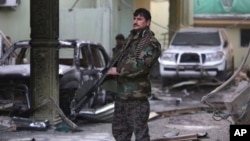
point(84, 94)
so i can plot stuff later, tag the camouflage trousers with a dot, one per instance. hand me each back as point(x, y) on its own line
point(131, 116)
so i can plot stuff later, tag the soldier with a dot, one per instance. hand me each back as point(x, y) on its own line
point(119, 38)
point(139, 53)
point(6, 44)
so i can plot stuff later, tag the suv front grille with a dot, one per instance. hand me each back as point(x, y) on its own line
point(189, 58)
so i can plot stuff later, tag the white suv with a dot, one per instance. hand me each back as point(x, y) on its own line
point(197, 53)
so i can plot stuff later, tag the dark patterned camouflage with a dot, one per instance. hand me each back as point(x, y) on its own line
point(134, 68)
point(131, 116)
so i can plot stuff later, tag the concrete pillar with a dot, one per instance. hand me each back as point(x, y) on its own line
point(44, 23)
point(175, 16)
point(141, 4)
point(187, 7)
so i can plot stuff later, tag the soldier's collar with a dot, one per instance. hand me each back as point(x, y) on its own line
point(141, 33)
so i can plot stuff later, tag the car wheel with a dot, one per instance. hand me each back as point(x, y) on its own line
point(165, 81)
point(65, 99)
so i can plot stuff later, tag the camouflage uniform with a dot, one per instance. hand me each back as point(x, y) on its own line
point(132, 105)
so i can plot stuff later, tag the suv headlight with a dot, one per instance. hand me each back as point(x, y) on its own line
point(214, 56)
point(168, 57)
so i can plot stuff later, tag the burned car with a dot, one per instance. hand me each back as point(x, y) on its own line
point(197, 52)
point(81, 66)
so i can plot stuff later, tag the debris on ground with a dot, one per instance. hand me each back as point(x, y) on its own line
point(18, 123)
point(171, 134)
point(5, 106)
point(182, 110)
point(153, 115)
point(186, 137)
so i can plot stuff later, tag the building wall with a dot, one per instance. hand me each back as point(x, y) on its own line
point(160, 18)
point(159, 25)
point(14, 22)
point(239, 52)
point(122, 17)
point(110, 16)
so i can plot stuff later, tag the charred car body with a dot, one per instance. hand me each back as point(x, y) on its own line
point(197, 53)
point(81, 65)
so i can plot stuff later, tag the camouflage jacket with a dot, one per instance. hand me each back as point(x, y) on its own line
point(135, 64)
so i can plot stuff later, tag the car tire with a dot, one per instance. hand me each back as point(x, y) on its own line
point(65, 99)
point(223, 75)
point(165, 81)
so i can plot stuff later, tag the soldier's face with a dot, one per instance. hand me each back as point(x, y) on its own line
point(119, 42)
point(140, 22)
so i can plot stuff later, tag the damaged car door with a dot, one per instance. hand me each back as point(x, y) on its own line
point(81, 64)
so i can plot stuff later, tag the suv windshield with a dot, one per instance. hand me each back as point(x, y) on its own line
point(196, 38)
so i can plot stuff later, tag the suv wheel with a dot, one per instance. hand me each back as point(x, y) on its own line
point(166, 82)
point(223, 75)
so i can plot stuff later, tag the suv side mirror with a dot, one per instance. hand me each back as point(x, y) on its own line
point(225, 44)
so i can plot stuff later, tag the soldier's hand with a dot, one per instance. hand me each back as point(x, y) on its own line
point(112, 71)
